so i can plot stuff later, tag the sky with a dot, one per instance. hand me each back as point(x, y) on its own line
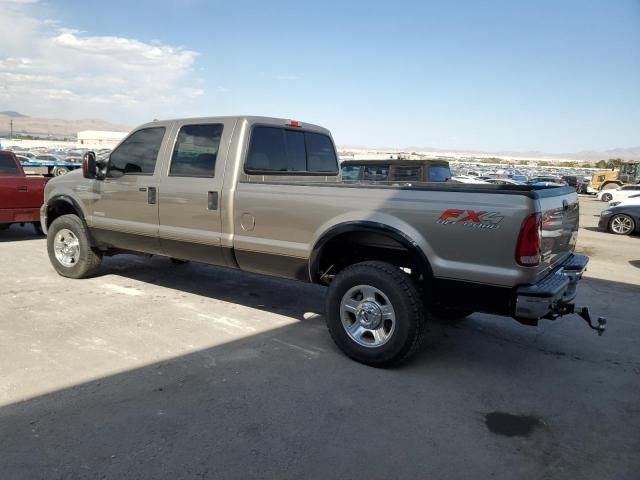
point(545, 75)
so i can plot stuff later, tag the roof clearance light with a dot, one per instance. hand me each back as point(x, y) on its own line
point(294, 123)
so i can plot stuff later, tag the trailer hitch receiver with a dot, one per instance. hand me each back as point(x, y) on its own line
point(584, 314)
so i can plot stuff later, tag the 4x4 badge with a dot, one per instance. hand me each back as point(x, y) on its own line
point(471, 218)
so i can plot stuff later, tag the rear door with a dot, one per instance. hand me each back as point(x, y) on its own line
point(124, 211)
point(190, 191)
point(16, 190)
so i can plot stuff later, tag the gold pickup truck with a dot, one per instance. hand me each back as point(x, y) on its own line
point(265, 195)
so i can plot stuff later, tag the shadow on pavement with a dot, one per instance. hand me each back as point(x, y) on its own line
point(286, 404)
point(18, 233)
point(250, 290)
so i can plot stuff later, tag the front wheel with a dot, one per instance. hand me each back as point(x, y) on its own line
point(621, 224)
point(69, 248)
point(58, 171)
point(375, 314)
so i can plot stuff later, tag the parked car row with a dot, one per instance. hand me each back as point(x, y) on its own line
point(54, 157)
point(618, 194)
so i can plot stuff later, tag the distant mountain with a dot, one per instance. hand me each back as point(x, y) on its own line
point(13, 114)
point(54, 126)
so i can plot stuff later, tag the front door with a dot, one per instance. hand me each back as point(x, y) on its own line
point(124, 212)
point(189, 193)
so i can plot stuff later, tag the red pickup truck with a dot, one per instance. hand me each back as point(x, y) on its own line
point(20, 196)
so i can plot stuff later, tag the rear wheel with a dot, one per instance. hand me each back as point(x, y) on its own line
point(375, 314)
point(69, 248)
point(621, 224)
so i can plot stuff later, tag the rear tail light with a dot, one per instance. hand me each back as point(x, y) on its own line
point(529, 247)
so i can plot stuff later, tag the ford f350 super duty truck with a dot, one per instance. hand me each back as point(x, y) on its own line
point(21, 196)
point(265, 195)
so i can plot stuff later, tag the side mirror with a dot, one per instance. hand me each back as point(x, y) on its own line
point(89, 165)
point(102, 166)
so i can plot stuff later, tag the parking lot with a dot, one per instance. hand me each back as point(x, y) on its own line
point(155, 370)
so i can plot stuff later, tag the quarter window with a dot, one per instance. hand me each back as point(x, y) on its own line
point(138, 154)
point(279, 150)
point(196, 151)
point(8, 165)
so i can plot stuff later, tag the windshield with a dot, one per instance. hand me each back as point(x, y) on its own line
point(439, 174)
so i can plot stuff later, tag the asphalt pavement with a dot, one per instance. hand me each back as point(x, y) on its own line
point(154, 370)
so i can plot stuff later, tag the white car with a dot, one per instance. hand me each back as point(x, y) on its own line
point(467, 179)
point(632, 200)
point(620, 193)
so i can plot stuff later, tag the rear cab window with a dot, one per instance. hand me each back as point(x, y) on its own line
point(8, 165)
point(282, 151)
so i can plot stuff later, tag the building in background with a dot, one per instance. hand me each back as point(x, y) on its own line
point(98, 137)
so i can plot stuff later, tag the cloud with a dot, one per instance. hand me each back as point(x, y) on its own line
point(47, 70)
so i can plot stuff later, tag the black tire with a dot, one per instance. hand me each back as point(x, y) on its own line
point(177, 261)
point(89, 260)
point(451, 314)
point(606, 197)
point(38, 228)
point(406, 336)
point(58, 171)
point(622, 218)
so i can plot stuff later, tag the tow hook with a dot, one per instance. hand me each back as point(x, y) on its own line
point(584, 314)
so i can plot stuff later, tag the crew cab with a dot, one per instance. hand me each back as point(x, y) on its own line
point(265, 195)
point(21, 196)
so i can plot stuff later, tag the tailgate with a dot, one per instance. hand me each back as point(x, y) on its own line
point(560, 220)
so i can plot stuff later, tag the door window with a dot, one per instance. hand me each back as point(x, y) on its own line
point(138, 154)
point(196, 151)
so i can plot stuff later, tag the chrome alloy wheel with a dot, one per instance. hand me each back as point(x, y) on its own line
point(66, 247)
point(621, 224)
point(367, 316)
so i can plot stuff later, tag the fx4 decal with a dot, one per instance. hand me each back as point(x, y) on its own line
point(471, 218)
